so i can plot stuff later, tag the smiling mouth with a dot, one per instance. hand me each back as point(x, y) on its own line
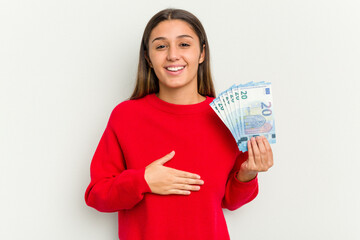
point(175, 69)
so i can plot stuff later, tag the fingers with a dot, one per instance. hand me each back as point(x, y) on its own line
point(262, 150)
point(256, 151)
point(178, 192)
point(260, 154)
point(166, 158)
point(270, 162)
point(176, 172)
point(250, 160)
point(184, 182)
point(183, 174)
point(184, 186)
point(188, 181)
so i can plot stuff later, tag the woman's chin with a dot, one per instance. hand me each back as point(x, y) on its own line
point(175, 85)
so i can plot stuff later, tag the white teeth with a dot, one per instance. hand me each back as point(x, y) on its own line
point(174, 69)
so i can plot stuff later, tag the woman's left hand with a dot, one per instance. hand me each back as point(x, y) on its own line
point(260, 159)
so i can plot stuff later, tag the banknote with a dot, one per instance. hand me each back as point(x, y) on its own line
point(247, 111)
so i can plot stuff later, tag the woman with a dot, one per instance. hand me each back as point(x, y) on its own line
point(159, 194)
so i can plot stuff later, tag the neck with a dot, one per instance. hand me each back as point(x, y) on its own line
point(180, 96)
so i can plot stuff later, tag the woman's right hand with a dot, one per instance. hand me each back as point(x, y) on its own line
point(164, 180)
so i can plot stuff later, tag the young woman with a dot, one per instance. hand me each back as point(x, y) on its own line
point(166, 163)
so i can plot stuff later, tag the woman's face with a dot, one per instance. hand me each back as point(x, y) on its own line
point(174, 53)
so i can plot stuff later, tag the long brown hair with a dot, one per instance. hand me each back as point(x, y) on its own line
point(147, 81)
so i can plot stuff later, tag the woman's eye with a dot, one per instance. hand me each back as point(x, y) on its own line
point(160, 47)
point(181, 45)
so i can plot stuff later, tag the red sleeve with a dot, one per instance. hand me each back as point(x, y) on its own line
point(112, 187)
point(239, 193)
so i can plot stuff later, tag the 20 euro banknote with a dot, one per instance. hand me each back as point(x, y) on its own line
point(247, 111)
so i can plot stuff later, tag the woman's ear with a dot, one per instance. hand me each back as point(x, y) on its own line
point(202, 55)
point(148, 60)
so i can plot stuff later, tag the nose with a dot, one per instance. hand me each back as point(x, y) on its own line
point(173, 54)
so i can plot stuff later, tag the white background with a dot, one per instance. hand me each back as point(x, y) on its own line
point(64, 65)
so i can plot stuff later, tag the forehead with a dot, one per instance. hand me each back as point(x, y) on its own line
point(171, 29)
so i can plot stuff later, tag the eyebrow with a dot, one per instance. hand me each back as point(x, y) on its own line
point(181, 36)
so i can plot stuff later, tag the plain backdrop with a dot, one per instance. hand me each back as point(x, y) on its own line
point(64, 65)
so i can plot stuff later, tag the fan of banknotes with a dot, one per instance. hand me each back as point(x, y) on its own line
point(247, 111)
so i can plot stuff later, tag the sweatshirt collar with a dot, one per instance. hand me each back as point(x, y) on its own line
point(178, 108)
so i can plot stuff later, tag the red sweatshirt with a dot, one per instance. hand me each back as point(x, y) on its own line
point(144, 130)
